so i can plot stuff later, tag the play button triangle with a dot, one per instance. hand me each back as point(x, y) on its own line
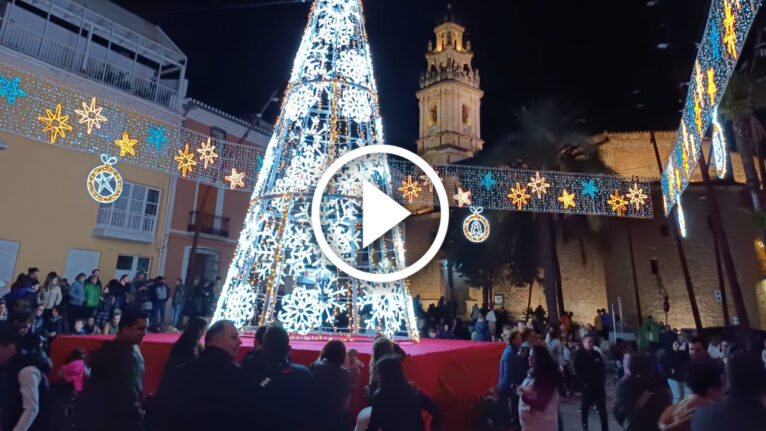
point(380, 213)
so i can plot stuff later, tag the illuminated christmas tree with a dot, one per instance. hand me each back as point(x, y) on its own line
point(330, 107)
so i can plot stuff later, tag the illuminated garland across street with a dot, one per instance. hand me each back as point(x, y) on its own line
point(727, 27)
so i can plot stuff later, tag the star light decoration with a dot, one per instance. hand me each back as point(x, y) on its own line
point(589, 188)
point(462, 197)
point(427, 180)
point(9, 88)
point(618, 202)
point(410, 189)
point(730, 31)
point(126, 145)
point(487, 181)
point(55, 123)
point(235, 179)
point(207, 153)
point(637, 196)
point(538, 185)
point(519, 196)
point(185, 161)
point(156, 137)
point(90, 115)
point(567, 199)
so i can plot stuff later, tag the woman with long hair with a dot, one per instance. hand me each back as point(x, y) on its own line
point(188, 345)
point(539, 398)
point(49, 295)
point(397, 405)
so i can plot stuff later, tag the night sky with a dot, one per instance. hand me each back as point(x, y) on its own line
point(598, 55)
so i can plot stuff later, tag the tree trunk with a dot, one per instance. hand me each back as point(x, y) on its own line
point(529, 302)
point(549, 265)
point(559, 286)
point(742, 133)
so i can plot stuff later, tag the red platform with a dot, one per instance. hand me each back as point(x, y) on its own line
point(454, 373)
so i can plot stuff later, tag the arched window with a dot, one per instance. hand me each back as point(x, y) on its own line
point(433, 115)
point(466, 116)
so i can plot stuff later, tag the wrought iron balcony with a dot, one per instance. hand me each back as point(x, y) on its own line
point(209, 224)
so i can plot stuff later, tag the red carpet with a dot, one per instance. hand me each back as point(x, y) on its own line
point(455, 373)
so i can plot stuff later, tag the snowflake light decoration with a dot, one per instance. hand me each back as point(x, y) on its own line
point(410, 189)
point(156, 137)
point(330, 107)
point(637, 196)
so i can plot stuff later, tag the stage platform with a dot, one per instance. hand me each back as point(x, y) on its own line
point(455, 373)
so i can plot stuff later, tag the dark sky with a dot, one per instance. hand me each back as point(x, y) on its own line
point(592, 54)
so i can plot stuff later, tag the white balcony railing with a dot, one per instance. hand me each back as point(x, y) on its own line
point(115, 223)
point(30, 42)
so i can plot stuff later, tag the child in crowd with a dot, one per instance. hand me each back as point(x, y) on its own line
point(90, 327)
point(354, 366)
point(75, 371)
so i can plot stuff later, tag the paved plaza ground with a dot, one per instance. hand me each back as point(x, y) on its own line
point(571, 416)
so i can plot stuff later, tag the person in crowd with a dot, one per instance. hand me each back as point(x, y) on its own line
point(23, 297)
point(514, 366)
point(606, 323)
point(538, 394)
point(210, 391)
point(3, 310)
point(667, 338)
point(481, 330)
point(697, 349)
point(333, 387)
point(285, 393)
point(106, 305)
point(120, 290)
point(32, 274)
point(674, 365)
point(97, 274)
point(207, 299)
point(188, 346)
point(50, 293)
point(74, 370)
point(54, 324)
point(459, 330)
point(763, 353)
point(112, 326)
point(90, 326)
point(706, 382)
point(111, 400)
point(742, 409)
point(179, 301)
point(253, 363)
point(76, 298)
point(24, 384)
point(598, 324)
point(193, 305)
point(354, 366)
point(397, 405)
point(38, 322)
point(475, 313)
point(591, 371)
point(159, 296)
point(92, 296)
point(141, 293)
point(491, 319)
point(725, 351)
point(22, 321)
point(641, 395)
point(78, 328)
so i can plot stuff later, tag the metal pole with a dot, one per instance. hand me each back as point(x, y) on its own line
point(721, 284)
point(723, 242)
point(622, 320)
point(680, 247)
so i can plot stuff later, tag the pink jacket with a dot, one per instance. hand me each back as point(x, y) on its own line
point(74, 372)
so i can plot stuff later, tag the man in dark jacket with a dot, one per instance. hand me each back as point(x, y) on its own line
point(514, 366)
point(285, 393)
point(111, 399)
point(742, 409)
point(590, 370)
point(209, 392)
point(333, 387)
point(641, 396)
point(253, 364)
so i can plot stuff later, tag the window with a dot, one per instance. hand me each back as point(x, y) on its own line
point(78, 261)
point(466, 116)
point(218, 133)
point(131, 265)
point(8, 252)
point(433, 113)
point(205, 263)
point(134, 213)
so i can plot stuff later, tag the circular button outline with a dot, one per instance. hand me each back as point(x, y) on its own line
point(441, 233)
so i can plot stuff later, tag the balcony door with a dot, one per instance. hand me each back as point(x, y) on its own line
point(205, 264)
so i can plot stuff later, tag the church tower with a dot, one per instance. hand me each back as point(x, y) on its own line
point(449, 98)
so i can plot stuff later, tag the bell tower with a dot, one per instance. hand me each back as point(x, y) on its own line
point(449, 97)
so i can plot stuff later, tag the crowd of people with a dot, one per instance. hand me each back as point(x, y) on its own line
point(88, 307)
point(673, 383)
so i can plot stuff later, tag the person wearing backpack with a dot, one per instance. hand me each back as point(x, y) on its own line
point(641, 395)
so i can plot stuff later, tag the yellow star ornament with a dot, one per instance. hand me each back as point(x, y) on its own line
point(567, 199)
point(618, 202)
point(410, 189)
point(207, 153)
point(519, 196)
point(55, 123)
point(126, 144)
point(90, 115)
point(235, 179)
point(185, 161)
point(462, 197)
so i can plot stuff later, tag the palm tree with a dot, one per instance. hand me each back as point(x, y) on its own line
point(745, 96)
point(551, 138)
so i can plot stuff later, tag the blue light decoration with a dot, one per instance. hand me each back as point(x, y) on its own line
point(156, 137)
point(9, 88)
point(487, 182)
point(330, 107)
point(589, 188)
point(728, 24)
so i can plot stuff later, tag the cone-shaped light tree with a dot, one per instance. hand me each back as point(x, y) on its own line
point(330, 107)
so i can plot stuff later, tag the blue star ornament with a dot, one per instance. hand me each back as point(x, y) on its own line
point(260, 163)
point(157, 137)
point(588, 188)
point(10, 89)
point(487, 182)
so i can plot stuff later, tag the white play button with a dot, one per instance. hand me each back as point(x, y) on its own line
point(380, 213)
